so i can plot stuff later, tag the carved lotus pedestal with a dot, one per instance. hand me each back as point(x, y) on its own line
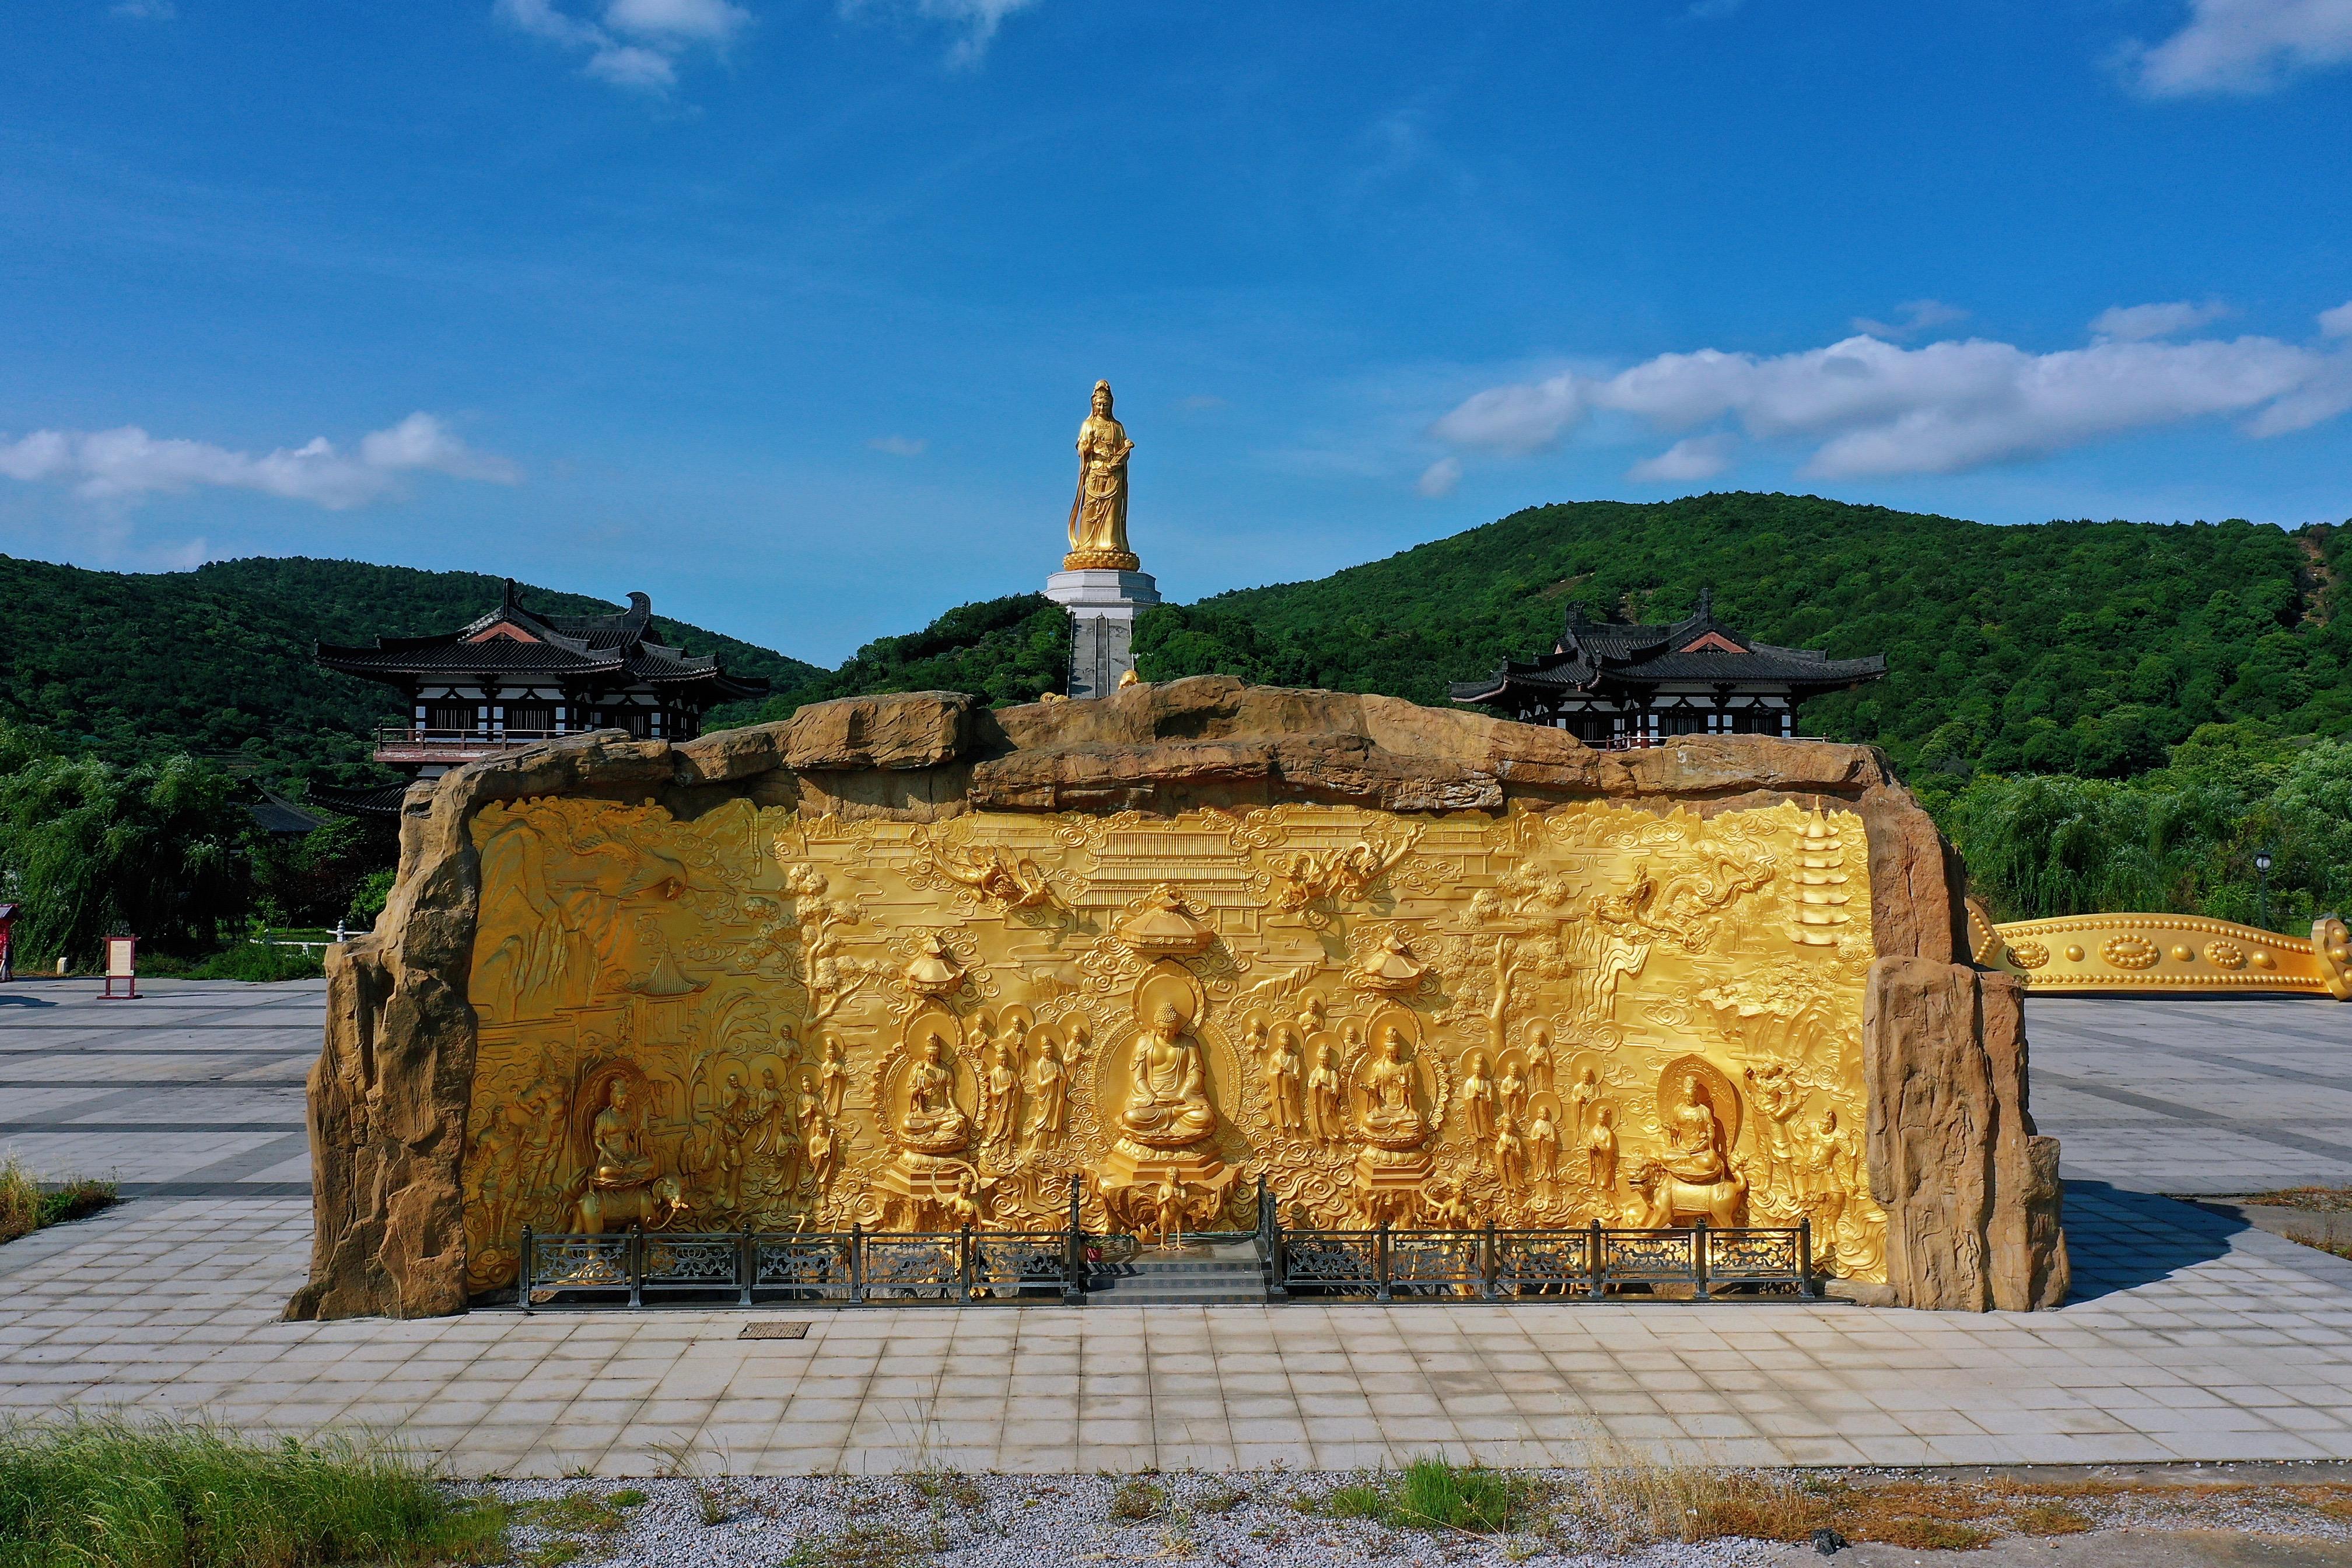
point(917, 1185)
point(1389, 1183)
point(1133, 1174)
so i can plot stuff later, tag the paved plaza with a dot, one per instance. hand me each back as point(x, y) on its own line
point(2188, 1337)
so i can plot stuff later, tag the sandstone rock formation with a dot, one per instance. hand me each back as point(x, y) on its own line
point(1971, 1193)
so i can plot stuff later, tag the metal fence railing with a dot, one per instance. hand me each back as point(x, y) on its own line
point(973, 1267)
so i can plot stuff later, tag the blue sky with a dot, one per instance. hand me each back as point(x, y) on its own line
point(786, 311)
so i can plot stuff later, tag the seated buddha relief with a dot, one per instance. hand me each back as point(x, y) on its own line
point(932, 1121)
point(1167, 1104)
point(1390, 1115)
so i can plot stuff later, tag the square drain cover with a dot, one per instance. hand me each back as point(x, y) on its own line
point(773, 1329)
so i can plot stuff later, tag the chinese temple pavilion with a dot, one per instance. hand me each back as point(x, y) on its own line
point(513, 676)
point(1612, 684)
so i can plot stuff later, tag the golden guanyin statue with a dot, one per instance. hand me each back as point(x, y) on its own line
point(932, 1121)
point(1168, 1094)
point(621, 1159)
point(1694, 1138)
point(1390, 1119)
point(1098, 514)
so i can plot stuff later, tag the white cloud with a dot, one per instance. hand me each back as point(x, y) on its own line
point(1868, 407)
point(1527, 417)
point(2337, 324)
point(1692, 458)
point(637, 43)
point(1918, 316)
point(2243, 45)
point(900, 446)
point(974, 22)
point(125, 464)
point(699, 21)
point(2135, 324)
point(1438, 480)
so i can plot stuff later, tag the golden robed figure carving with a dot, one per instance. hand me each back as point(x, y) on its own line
point(1168, 1098)
point(1098, 514)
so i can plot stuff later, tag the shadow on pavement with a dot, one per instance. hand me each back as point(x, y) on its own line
point(2120, 1240)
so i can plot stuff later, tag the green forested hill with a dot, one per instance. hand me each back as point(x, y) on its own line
point(218, 660)
point(2058, 647)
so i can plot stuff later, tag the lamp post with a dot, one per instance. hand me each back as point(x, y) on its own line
point(2262, 884)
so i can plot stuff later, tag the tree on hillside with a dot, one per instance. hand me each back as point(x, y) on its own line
point(91, 849)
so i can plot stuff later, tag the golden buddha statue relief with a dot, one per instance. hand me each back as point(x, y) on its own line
point(1168, 1094)
point(932, 1121)
point(1391, 1118)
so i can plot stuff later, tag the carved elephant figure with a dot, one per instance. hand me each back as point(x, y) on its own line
point(653, 1205)
point(1671, 1200)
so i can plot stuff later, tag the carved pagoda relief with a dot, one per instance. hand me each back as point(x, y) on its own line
point(1537, 1017)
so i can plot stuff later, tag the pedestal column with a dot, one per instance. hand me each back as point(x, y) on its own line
point(1102, 603)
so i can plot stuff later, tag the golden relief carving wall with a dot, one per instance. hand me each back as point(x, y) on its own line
point(1539, 1018)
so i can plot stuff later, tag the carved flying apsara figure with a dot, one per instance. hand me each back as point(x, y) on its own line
point(994, 873)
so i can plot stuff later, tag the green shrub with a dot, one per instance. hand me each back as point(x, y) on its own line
point(26, 1208)
point(261, 963)
point(93, 1492)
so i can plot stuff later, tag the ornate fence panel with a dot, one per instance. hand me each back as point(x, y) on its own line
point(970, 1267)
point(1697, 1262)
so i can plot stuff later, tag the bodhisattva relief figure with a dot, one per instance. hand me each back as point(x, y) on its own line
point(1511, 1092)
point(1167, 1089)
point(1543, 1146)
point(1583, 1095)
point(622, 1161)
point(1510, 1151)
point(1830, 1160)
point(1284, 1067)
point(835, 1077)
point(1695, 1150)
point(734, 1123)
point(1539, 1062)
point(816, 1137)
point(772, 1141)
point(1779, 1099)
point(1601, 1148)
point(1326, 1098)
point(1099, 515)
point(1478, 1097)
point(1004, 1099)
point(1049, 1092)
point(1390, 1119)
point(1310, 1015)
point(932, 1121)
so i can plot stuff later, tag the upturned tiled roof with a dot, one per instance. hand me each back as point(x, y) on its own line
point(612, 649)
point(1600, 656)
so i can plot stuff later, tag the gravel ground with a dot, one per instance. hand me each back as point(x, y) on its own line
point(947, 1520)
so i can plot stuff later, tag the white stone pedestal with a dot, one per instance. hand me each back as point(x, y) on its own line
point(1102, 607)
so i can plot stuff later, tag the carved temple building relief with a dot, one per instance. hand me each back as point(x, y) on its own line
point(1538, 1018)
